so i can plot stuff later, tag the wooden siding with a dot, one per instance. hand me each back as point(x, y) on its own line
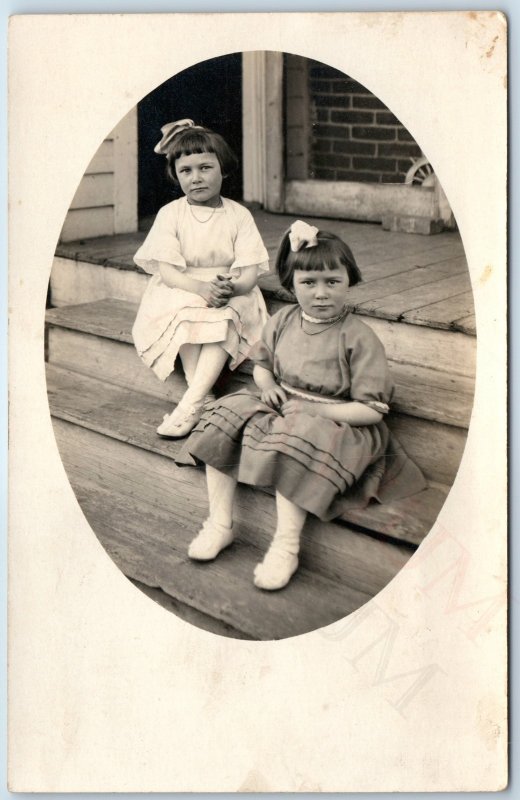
point(105, 201)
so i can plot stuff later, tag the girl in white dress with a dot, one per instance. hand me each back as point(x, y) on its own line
point(204, 253)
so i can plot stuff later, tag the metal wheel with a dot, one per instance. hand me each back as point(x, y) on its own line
point(420, 173)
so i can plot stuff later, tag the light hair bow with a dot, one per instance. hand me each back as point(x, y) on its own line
point(170, 131)
point(302, 235)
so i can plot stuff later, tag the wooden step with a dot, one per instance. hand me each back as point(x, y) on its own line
point(117, 363)
point(441, 350)
point(149, 546)
point(336, 551)
point(98, 330)
point(75, 282)
point(423, 282)
point(128, 416)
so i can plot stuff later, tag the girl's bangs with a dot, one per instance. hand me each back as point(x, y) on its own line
point(190, 143)
point(316, 258)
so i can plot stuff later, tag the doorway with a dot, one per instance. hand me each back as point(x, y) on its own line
point(210, 93)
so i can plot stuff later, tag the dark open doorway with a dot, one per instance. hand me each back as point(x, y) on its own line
point(210, 93)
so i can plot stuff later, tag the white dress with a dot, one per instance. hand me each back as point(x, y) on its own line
point(168, 318)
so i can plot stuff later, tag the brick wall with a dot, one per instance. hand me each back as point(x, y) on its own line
point(353, 136)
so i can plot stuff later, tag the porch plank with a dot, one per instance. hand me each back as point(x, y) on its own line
point(131, 417)
point(443, 313)
point(188, 613)
point(333, 549)
point(370, 251)
point(420, 252)
point(394, 306)
point(82, 222)
point(430, 257)
point(380, 254)
point(78, 282)
point(420, 391)
point(436, 448)
point(447, 351)
point(379, 293)
point(453, 353)
point(109, 318)
point(99, 249)
point(147, 545)
point(466, 325)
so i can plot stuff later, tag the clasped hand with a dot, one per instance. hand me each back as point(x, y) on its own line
point(217, 292)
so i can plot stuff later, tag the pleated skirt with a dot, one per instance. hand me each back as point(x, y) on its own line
point(312, 461)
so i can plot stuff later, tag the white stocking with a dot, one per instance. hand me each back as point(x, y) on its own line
point(281, 560)
point(209, 366)
point(221, 494)
point(216, 532)
point(189, 355)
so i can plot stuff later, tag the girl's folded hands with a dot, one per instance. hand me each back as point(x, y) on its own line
point(217, 292)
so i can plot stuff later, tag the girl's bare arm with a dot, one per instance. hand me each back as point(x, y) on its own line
point(272, 394)
point(175, 279)
point(245, 281)
point(354, 413)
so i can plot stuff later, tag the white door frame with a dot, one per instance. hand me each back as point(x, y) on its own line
point(262, 128)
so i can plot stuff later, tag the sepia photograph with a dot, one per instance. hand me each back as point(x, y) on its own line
point(260, 275)
point(258, 398)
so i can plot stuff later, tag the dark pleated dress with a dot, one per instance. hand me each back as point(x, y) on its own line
point(320, 465)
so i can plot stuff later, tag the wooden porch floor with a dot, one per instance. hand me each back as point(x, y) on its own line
point(420, 280)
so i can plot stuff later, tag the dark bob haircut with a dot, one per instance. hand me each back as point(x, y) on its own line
point(200, 140)
point(330, 253)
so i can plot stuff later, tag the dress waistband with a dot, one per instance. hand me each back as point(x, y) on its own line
point(314, 397)
point(206, 273)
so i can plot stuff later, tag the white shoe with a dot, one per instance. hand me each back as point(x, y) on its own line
point(180, 422)
point(210, 540)
point(276, 570)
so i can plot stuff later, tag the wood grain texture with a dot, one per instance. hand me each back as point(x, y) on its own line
point(189, 614)
point(395, 306)
point(466, 325)
point(450, 352)
point(332, 549)
point(444, 313)
point(436, 448)
point(131, 417)
point(381, 255)
point(446, 351)
point(373, 294)
point(107, 355)
point(148, 546)
point(99, 249)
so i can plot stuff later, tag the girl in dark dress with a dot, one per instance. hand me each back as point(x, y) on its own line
point(313, 430)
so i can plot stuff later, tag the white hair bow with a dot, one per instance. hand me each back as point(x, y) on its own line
point(170, 131)
point(302, 235)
